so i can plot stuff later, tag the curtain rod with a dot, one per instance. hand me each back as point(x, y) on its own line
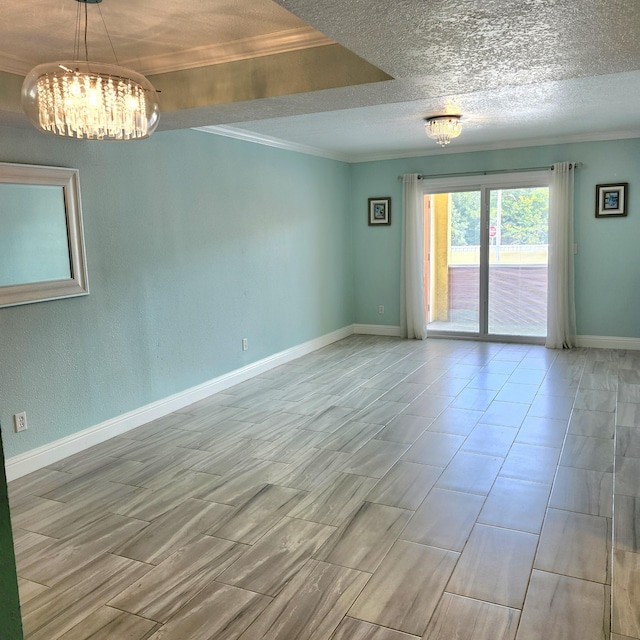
point(574, 165)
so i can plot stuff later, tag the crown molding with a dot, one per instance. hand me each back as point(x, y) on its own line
point(507, 144)
point(268, 44)
point(249, 136)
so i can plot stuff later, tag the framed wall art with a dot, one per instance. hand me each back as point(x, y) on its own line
point(611, 200)
point(379, 211)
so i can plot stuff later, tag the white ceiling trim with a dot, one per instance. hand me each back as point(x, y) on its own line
point(249, 136)
point(268, 44)
point(510, 144)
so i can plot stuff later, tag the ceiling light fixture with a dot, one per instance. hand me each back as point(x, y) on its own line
point(90, 100)
point(443, 128)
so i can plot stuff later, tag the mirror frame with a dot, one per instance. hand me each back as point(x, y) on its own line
point(77, 284)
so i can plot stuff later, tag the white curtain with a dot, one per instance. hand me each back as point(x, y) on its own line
point(561, 313)
point(413, 318)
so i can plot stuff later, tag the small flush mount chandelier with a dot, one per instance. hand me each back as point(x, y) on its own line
point(443, 128)
point(90, 100)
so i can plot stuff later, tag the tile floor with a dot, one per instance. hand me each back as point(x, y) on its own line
point(377, 489)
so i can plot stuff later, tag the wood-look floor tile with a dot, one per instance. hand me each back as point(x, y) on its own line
point(433, 448)
point(176, 457)
point(505, 414)
point(36, 483)
point(475, 399)
point(218, 612)
point(277, 556)
point(584, 491)
point(495, 566)
point(599, 424)
point(405, 485)
point(444, 519)
point(173, 530)
point(457, 421)
point(470, 473)
point(53, 612)
point(169, 586)
point(313, 469)
point(330, 419)
point(249, 522)
point(382, 411)
point(544, 432)
point(58, 519)
point(575, 544)
point(350, 437)
point(490, 440)
point(627, 523)
point(404, 392)
point(561, 607)
point(625, 614)
point(517, 392)
point(107, 623)
point(29, 590)
point(50, 561)
point(224, 455)
point(311, 605)
point(360, 398)
point(557, 407)
point(405, 589)
point(362, 541)
point(375, 458)
point(335, 500)
point(443, 386)
point(628, 414)
point(428, 405)
point(627, 474)
point(491, 381)
point(530, 462)
point(352, 629)
point(628, 442)
point(587, 452)
point(149, 504)
point(594, 400)
point(516, 504)
point(467, 619)
point(404, 429)
point(245, 481)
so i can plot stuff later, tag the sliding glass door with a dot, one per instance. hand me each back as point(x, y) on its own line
point(487, 256)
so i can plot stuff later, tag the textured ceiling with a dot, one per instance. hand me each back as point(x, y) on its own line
point(354, 79)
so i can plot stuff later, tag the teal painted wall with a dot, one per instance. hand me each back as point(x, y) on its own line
point(10, 622)
point(608, 260)
point(193, 242)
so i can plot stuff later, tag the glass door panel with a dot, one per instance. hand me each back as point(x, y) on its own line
point(518, 261)
point(454, 261)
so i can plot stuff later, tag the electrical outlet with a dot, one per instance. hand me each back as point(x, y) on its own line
point(245, 344)
point(20, 421)
point(381, 309)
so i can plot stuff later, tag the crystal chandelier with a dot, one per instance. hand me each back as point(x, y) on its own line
point(89, 100)
point(443, 128)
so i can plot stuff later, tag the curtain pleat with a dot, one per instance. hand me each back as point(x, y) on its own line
point(413, 318)
point(561, 313)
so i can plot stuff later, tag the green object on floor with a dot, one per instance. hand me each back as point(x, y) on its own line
point(10, 621)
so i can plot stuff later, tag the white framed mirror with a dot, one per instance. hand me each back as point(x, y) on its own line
point(41, 236)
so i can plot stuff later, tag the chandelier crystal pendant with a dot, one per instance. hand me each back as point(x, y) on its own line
point(90, 100)
point(443, 128)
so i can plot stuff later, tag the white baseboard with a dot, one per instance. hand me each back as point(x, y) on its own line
point(607, 342)
point(24, 463)
point(377, 330)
